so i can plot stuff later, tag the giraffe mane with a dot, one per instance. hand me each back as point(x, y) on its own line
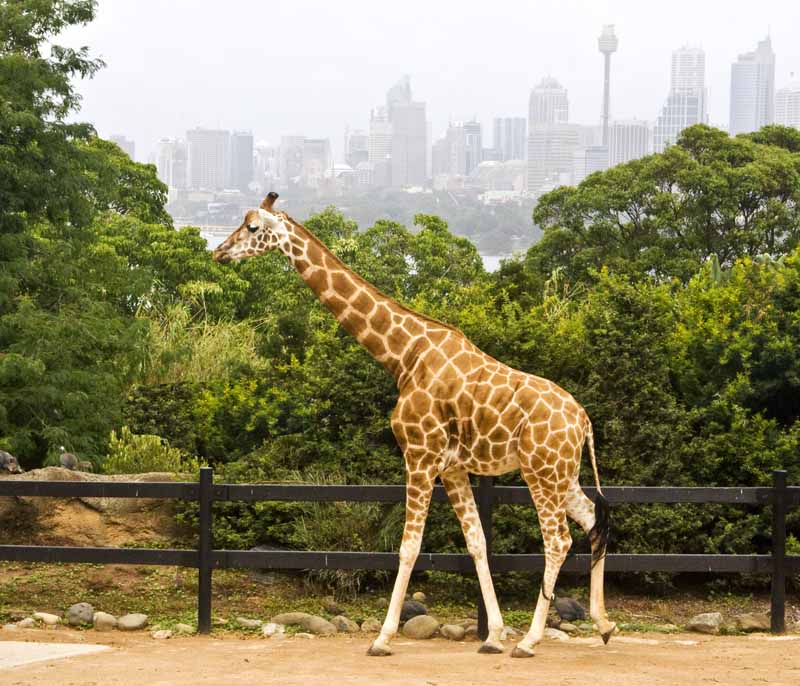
point(363, 281)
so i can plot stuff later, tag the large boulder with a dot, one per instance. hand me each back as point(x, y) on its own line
point(412, 608)
point(753, 621)
point(371, 625)
point(104, 621)
point(569, 609)
point(312, 623)
point(80, 614)
point(706, 623)
point(345, 625)
point(453, 632)
point(132, 622)
point(421, 626)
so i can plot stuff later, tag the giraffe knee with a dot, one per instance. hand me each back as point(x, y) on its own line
point(409, 550)
point(476, 545)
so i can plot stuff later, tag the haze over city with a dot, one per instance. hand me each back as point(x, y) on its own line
point(314, 67)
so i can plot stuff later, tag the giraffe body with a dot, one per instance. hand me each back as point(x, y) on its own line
point(459, 412)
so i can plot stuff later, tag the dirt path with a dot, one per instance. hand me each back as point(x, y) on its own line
point(192, 661)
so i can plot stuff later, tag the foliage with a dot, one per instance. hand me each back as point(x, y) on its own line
point(663, 215)
point(130, 453)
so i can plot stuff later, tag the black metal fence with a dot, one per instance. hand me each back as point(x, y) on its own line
point(205, 558)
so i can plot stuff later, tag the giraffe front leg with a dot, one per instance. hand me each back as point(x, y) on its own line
point(419, 487)
point(459, 491)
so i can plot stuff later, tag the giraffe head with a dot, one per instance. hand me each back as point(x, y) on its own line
point(262, 230)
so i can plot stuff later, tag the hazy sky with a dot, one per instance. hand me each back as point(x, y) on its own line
point(313, 66)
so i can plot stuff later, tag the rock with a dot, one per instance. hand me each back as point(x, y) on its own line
point(219, 621)
point(132, 622)
point(312, 623)
point(47, 618)
point(753, 621)
point(248, 623)
point(471, 631)
point(412, 608)
point(163, 633)
point(27, 623)
point(569, 609)
point(10, 627)
point(453, 632)
point(706, 623)
point(568, 628)
point(555, 634)
point(332, 607)
point(587, 627)
point(421, 626)
point(382, 603)
point(345, 625)
point(184, 629)
point(419, 596)
point(371, 625)
point(302, 634)
point(553, 621)
point(104, 622)
point(271, 629)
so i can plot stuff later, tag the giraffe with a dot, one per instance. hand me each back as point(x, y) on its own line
point(459, 412)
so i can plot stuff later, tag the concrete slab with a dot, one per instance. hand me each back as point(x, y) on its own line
point(15, 653)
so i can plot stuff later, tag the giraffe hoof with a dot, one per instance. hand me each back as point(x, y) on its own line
point(489, 649)
point(377, 651)
point(521, 652)
point(606, 635)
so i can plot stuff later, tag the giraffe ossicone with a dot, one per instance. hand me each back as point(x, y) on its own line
point(459, 412)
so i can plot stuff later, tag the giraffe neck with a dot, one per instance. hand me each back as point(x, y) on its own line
point(391, 333)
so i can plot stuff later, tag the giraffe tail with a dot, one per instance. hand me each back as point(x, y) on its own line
point(602, 526)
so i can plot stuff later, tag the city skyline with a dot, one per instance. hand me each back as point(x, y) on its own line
point(317, 83)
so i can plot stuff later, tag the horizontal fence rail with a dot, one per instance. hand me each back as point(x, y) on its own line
point(780, 497)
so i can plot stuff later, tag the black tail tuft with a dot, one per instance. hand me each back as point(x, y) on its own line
point(601, 529)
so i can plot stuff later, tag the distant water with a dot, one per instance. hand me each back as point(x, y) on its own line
point(491, 263)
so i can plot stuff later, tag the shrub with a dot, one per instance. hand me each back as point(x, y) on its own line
point(130, 453)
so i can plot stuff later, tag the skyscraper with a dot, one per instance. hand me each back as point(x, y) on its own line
point(316, 160)
point(686, 101)
point(787, 105)
point(753, 89)
point(208, 158)
point(171, 162)
point(607, 43)
point(356, 148)
point(409, 136)
point(241, 174)
point(628, 140)
point(509, 137)
point(126, 144)
point(548, 104)
point(290, 160)
point(552, 142)
point(473, 142)
point(380, 146)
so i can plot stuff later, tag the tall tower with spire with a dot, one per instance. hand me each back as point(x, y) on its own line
point(607, 43)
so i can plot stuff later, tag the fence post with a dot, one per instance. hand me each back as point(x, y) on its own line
point(485, 504)
point(204, 548)
point(778, 599)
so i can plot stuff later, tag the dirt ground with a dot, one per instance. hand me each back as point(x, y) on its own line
point(194, 660)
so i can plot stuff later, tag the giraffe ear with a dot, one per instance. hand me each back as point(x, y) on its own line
point(269, 201)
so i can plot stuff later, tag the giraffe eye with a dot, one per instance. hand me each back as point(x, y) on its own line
point(252, 228)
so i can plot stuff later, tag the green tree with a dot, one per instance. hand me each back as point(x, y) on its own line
point(665, 214)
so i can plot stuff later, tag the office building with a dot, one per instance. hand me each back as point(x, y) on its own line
point(753, 89)
point(208, 153)
point(686, 101)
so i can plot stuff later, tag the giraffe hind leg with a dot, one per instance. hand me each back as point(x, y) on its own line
point(593, 518)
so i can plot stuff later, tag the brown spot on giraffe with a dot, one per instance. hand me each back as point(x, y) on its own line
point(459, 411)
